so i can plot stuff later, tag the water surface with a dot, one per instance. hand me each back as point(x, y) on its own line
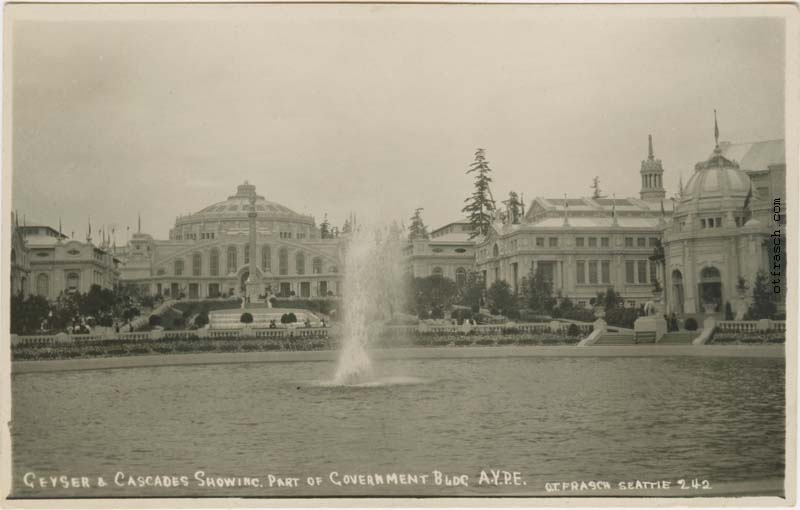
point(551, 419)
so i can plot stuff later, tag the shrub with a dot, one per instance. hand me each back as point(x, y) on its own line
point(577, 314)
point(573, 330)
point(247, 318)
point(728, 311)
point(154, 320)
point(622, 317)
point(690, 324)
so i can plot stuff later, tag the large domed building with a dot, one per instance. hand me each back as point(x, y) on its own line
point(209, 253)
point(714, 238)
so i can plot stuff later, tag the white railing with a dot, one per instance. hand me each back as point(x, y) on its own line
point(283, 332)
point(762, 325)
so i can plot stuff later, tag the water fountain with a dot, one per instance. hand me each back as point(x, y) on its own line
point(372, 290)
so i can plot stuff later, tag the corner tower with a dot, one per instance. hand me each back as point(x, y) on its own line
point(652, 176)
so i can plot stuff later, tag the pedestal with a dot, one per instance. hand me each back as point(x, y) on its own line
point(651, 323)
point(252, 291)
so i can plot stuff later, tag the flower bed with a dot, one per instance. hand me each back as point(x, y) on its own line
point(101, 349)
point(191, 343)
point(760, 337)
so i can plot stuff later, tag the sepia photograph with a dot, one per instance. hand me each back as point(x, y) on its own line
point(381, 252)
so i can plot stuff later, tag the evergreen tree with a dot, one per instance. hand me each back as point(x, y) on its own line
point(501, 299)
point(514, 206)
point(763, 306)
point(472, 291)
point(325, 228)
point(539, 291)
point(480, 204)
point(417, 230)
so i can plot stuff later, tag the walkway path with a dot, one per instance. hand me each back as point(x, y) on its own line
point(702, 351)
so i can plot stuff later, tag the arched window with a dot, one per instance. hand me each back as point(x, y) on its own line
point(300, 262)
point(231, 258)
point(283, 261)
point(73, 282)
point(197, 264)
point(247, 253)
point(213, 262)
point(437, 271)
point(178, 267)
point(461, 276)
point(495, 251)
point(316, 265)
point(266, 258)
point(710, 274)
point(43, 285)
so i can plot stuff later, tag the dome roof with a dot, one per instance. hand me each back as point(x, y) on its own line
point(237, 206)
point(717, 178)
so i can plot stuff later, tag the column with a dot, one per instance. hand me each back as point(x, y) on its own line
point(252, 280)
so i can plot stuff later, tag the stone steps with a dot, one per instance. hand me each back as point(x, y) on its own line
point(645, 337)
point(615, 339)
point(679, 338)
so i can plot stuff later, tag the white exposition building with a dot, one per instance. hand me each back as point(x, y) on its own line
point(225, 249)
point(715, 230)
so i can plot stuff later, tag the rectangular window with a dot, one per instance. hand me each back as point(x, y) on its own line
point(592, 242)
point(540, 242)
point(579, 242)
point(641, 270)
point(718, 222)
point(630, 276)
point(581, 272)
point(653, 275)
point(605, 267)
point(629, 242)
point(653, 242)
point(604, 242)
point(702, 223)
point(592, 271)
point(641, 242)
point(553, 241)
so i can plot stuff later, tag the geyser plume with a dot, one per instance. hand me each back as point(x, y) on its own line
point(372, 293)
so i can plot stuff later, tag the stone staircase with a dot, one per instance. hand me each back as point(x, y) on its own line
point(231, 319)
point(645, 337)
point(679, 338)
point(615, 339)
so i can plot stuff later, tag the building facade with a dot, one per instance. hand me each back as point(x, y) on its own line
point(59, 264)
point(711, 233)
point(721, 228)
point(208, 253)
point(449, 252)
point(20, 261)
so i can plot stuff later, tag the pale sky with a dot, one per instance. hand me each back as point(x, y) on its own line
point(369, 109)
